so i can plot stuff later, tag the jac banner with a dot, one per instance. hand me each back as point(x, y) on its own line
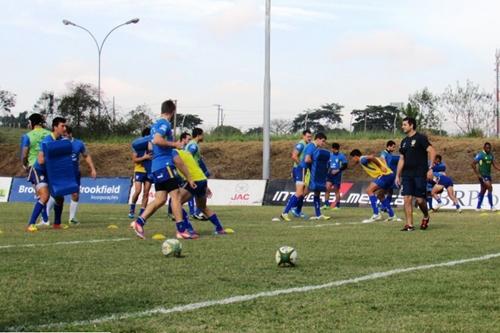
point(98, 191)
point(5, 188)
point(227, 192)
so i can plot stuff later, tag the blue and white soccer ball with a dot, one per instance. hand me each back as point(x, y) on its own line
point(171, 247)
point(286, 256)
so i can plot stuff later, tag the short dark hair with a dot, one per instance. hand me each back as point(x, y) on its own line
point(320, 135)
point(36, 119)
point(439, 157)
point(306, 131)
point(335, 145)
point(146, 131)
point(168, 107)
point(184, 135)
point(390, 143)
point(411, 121)
point(487, 144)
point(58, 120)
point(196, 132)
point(69, 130)
point(355, 152)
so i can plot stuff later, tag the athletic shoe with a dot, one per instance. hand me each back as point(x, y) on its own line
point(73, 221)
point(438, 206)
point(220, 232)
point(493, 209)
point(31, 228)
point(393, 219)
point(199, 217)
point(131, 215)
point(186, 235)
point(408, 228)
point(139, 230)
point(459, 210)
point(321, 217)
point(285, 217)
point(324, 207)
point(57, 226)
point(43, 224)
point(297, 214)
point(424, 224)
point(477, 209)
point(335, 208)
point(375, 217)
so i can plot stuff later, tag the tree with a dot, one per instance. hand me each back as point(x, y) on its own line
point(281, 126)
point(374, 118)
point(427, 105)
point(224, 130)
point(254, 131)
point(470, 108)
point(7, 100)
point(321, 119)
point(46, 104)
point(188, 121)
point(139, 118)
point(80, 106)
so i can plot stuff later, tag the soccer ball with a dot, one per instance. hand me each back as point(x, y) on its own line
point(171, 247)
point(286, 256)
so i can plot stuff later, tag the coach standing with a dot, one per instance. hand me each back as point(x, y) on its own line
point(413, 171)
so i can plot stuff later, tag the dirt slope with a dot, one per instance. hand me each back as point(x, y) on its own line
point(243, 160)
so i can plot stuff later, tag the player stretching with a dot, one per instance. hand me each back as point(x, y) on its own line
point(442, 182)
point(38, 177)
point(382, 184)
point(438, 168)
point(141, 156)
point(483, 161)
point(30, 146)
point(165, 174)
point(316, 161)
point(392, 162)
point(194, 148)
point(337, 164)
point(299, 176)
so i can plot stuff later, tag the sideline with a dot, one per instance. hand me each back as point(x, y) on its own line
point(13, 246)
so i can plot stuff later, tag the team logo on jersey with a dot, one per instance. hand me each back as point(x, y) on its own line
point(413, 142)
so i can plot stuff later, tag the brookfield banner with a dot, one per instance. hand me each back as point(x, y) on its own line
point(228, 192)
point(5, 188)
point(98, 191)
point(353, 194)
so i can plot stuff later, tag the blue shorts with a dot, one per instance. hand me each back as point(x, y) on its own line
point(299, 174)
point(200, 191)
point(445, 181)
point(78, 178)
point(334, 179)
point(430, 185)
point(37, 177)
point(142, 177)
point(414, 186)
point(385, 182)
point(485, 179)
point(164, 174)
point(314, 186)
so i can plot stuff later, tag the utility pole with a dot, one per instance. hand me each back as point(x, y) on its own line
point(114, 114)
point(221, 116)
point(266, 126)
point(219, 108)
point(306, 120)
point(497, 70)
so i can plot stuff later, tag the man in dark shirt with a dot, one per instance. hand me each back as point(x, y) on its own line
point(413, 171)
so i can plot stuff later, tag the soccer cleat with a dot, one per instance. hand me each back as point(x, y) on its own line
point(493, 209)
point(285, 217)
point(57, 226)
point(425, 223)
point(73, 221)
point(459, 210)
point(393, 219)
point(297, 214)
point(408, 227)
point(477, 209)
point(31, 228)
point(199, 217)
point(220, 232)
point(375, 217)
point(321, 217)
point(43, 224)
point(131, 215)
point(139, 230)
point(438, 206)
point(335, 208)
point(186, 235)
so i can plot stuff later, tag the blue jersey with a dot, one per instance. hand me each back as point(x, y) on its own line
point(337, 161)
point(78, 148)
point(25, 142)
point(140, 149)
point(440, 167)
point(162, 156)
point(299, 147)
point(390, 159)
point(308, 151)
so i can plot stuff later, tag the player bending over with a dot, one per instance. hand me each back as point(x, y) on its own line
point(442, 182)
point(141, 156)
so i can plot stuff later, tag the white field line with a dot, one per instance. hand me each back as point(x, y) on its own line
point(245, 298)
point(327, 224)
point(90, 241)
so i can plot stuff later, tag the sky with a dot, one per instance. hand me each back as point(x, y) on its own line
point(206, 52)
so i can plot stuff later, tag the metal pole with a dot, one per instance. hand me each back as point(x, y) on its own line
point(497, 69)
point(266, 151)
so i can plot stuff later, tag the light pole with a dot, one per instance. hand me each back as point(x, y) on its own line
point(99, 52)
point(266, 126)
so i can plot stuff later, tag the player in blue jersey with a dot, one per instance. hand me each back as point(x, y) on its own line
point(78, 149)
point(316, 162)
point(299, 175)
point(142, 174)
point(164, 173)
point(442, 182)
point(438, 167)
point(38, 177)
point(392, 162)
point(482, 168)
point(337, 164)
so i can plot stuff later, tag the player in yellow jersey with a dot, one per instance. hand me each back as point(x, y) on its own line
point(201, 192)
point(383, 181)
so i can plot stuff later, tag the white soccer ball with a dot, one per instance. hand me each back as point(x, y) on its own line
point(286, 256)
point(171, 247)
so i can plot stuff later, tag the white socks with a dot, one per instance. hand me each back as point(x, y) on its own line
point(73, 207)
point(50, 204)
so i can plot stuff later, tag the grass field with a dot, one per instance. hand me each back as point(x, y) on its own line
point(63, 280)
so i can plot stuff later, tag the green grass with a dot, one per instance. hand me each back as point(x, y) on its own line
point(67, 283)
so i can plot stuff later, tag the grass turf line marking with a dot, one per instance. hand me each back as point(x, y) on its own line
point(325, 225)
point(91, 241)
point(250, 297)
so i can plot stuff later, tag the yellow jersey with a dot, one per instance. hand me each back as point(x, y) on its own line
point(372, 169)
point(138, 167)
point(192, 166)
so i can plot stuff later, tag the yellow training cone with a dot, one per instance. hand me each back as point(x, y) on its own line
point(229, 231)
point(112, 226)
point(158, 237)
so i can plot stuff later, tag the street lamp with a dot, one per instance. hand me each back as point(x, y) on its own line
point(99, 52)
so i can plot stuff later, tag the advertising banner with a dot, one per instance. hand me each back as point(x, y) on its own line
point(98, 191)
point(5, 188)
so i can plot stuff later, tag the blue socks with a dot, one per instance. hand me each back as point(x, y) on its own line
point(317, 205)
point(39, 207)
point(58, 209)
point(141, 221)
point(187, 225)
point(429, 202)
point(180, 226)
point(300, 203)
point(215, 221)
point(45, 216)
point(439, 201)
point(373, 203)
point(490, 199)
point(480, 200)
point(132, 209)
point(387, 204)
point(191, 206)
point(141, 211)
point(292, 202)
